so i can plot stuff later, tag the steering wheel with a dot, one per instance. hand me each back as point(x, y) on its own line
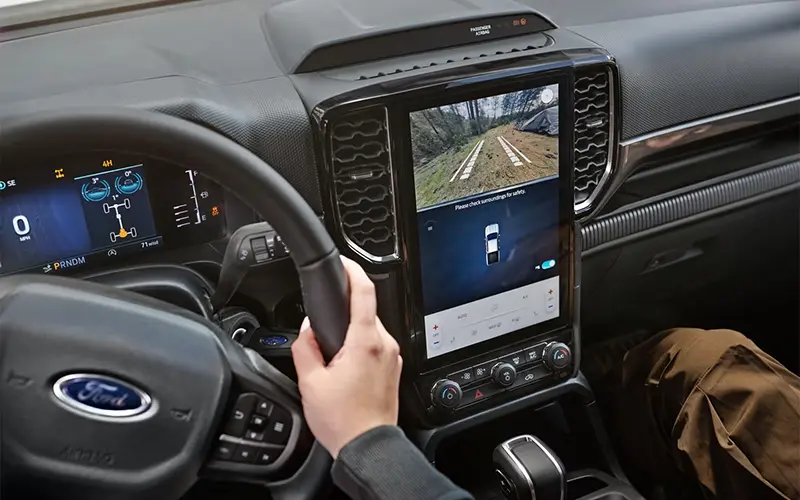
point(110, 394)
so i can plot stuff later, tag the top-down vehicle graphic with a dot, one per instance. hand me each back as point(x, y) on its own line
point(492, 240)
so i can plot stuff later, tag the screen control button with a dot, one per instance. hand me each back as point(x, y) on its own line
point(464, 377)
point(252, 435)
point(504, 374)
point(258, 423)
point(266, 456)
point(224, 450)
point(240, 415)
point(279, 426)
point(263, 407)
point(245, 453)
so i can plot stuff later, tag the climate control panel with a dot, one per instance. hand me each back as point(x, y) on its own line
point(479, 382)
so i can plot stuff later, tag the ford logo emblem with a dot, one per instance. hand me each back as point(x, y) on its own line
point(101, 395)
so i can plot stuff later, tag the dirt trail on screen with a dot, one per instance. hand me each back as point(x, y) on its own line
point(493, 168)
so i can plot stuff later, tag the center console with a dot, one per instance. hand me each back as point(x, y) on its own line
point(458, 184)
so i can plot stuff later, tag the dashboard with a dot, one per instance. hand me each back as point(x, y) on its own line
point(485, 162)
point(60, 215)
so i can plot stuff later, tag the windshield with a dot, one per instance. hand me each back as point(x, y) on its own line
point(21, 13)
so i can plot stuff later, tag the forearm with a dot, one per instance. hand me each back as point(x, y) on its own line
point(382, 464)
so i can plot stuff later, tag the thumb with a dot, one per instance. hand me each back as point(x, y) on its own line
point(305, 352)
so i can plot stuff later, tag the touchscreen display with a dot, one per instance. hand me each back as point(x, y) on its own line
point(486, 182)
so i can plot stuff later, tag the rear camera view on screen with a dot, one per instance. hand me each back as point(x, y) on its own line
point(486, 177)
point(485, 144)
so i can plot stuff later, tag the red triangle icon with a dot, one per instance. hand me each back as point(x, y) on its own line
point(478, 394)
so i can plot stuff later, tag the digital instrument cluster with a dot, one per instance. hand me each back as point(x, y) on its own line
point(75, 212)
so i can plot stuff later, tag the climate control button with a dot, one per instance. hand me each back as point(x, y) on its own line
point(446, 394)
point(557, 356)
point(504, 374)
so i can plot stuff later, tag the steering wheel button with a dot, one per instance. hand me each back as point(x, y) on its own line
point(258, 423)
point(266, 457)
point(280, 424)
point(224, 451)
point(252, 435)
point(246, 453)
point(240, 415)
point(263, 407)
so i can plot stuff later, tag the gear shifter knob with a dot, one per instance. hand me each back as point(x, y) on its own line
point(529, 470)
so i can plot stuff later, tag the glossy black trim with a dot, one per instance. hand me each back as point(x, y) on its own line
point(427, 440)
point(178, 285)
point(637, 152)
point(613, 141)
point(336, 208)
point(421, 39)
point(394, 279)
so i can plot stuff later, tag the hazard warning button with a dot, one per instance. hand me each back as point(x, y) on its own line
point(479, 393)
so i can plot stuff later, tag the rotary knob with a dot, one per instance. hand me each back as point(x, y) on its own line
point(504, 374)
point(557, 356)
point(446, 394)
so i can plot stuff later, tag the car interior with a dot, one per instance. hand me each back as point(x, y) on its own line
point(533, 186)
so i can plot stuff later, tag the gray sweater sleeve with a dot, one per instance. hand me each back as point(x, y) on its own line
point(382, 464)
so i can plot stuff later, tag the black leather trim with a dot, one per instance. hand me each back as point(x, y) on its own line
point(178, 285)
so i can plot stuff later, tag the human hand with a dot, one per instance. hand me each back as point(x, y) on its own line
point(359, 389)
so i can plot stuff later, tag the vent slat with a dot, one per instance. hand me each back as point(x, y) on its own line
point(592, 130)
point(545, 42)
point(362, 181)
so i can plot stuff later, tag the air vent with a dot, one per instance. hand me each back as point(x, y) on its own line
point(362, 180)
point(542, 41)
point(593, 133)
